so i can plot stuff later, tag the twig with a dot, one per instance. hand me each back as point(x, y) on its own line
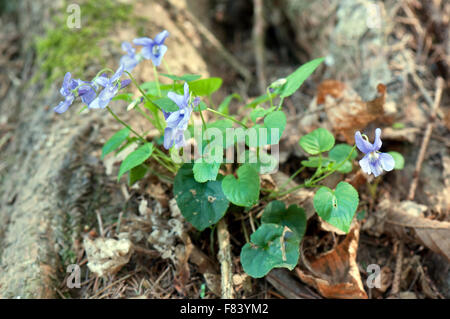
point(426, 138)
point(100, 224)
point(224, 255)
point(258, 42)
point(398, 269)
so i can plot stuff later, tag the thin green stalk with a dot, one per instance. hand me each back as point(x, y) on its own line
point(335, 168)
point(167, 67)
point(155, 72)
point(137, 107)
point(125, 124)
point(227, 117)
point(292, 177)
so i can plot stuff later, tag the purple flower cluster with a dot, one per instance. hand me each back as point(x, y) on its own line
point(374, 161)
point(99, 92)
point(89, 92)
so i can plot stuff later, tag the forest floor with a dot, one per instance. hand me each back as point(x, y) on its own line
point(392, 72)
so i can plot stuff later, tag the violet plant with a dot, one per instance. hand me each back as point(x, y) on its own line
point(209, 181)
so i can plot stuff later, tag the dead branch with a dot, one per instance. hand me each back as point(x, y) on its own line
point(225, 260)
point(426, 138)
point(259, 27)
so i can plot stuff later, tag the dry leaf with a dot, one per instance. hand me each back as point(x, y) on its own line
point(432, 233)
point(345, 109)
point(335, 274)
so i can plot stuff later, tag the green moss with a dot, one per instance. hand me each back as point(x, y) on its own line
point(63, 49)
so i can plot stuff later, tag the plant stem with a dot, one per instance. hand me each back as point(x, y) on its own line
point(292, 177)
point(125, 124)
point(155, 72)
point(227, 117)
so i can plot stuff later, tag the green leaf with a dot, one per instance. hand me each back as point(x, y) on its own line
point(202, 204)
point(294, 217)
point(399, 160)
point(204, 171)
point(318, 141)
point(264, 163)
point(337, 207)
point(260, 112)
point(313, 161)
point(223, 107)
point(339, 153)
point(137, 173)
point(270, 247)
point(296, 79)
point(243, 191)
point(200, 107)
point(135, 158)
point(115, 141)
point(166, 104)
point(205, 87)
point(184, 78)
point(274, 120)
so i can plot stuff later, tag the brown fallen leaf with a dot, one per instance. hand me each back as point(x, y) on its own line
point(345, 109)
point(335, 274)
point(432, 233)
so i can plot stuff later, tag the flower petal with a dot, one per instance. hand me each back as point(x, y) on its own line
point(127, 47)
point(173, 119)
point(377, 143)
point(364, 163)
point(101, 80)
point(157, 59)
point(387, 161)
point(168, 137)
point(376, 168)
point(186, 91)
point(128, 62)
point(64, 105)
point(118, 74)
point(161, 37)
point(362, 144)
point(143, 41)
point(177, 99)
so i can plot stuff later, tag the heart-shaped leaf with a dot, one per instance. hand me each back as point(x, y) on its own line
point(135, 158)
point(115, 141)
point(271, 246)
point(264, 163)
point(269, 133)
point(243, 191)
point(340, 153)
point(204, 171)
point(205, 87)
point(337, 207)
point(294, 217)
point(318, 141)
point(398, 159)
point(202, 204)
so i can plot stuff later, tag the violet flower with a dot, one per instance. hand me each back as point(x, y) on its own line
point(111, 87)
point(153, 49)
point(373, 161)
point(131, 59)
point(67, 90)
point(177, 122)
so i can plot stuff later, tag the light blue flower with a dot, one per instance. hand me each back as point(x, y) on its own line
point(110, 88)
point(177, 122)
point(373, 161)
point(153, 49)
point(131, 59)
